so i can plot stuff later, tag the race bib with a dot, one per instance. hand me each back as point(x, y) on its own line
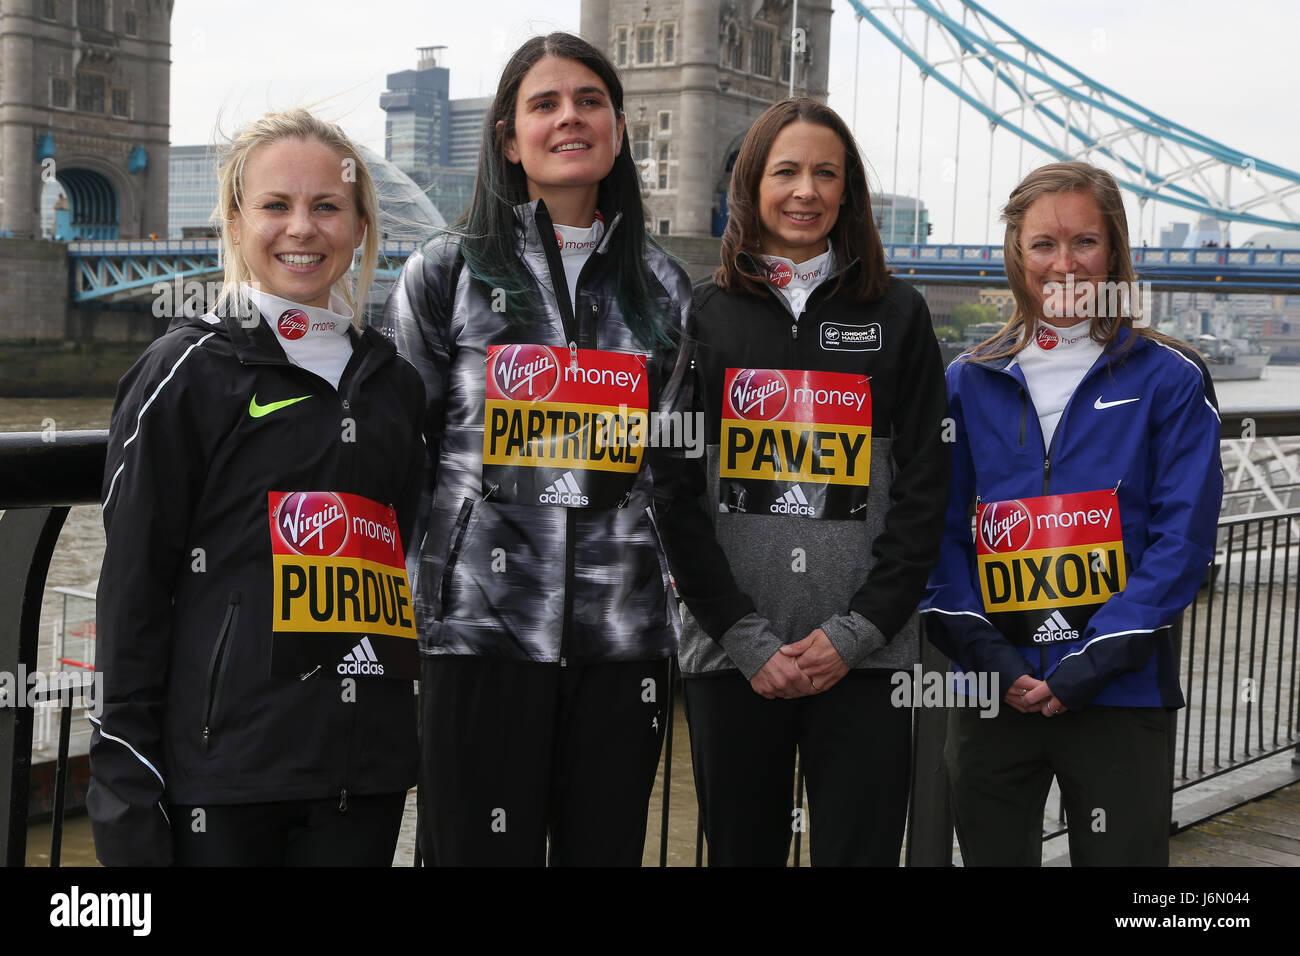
point(563, 427)
point(341, 600)
point(1046, 565)
point(795, 443)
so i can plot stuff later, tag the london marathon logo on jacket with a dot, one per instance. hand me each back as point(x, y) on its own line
point(795, 443)
point(563, 427)
point(339, 584)
point(1046, 565)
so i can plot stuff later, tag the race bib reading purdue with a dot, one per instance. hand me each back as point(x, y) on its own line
point(1046, 565)
point(563, 427)
point(341, 600)
point(795, 443)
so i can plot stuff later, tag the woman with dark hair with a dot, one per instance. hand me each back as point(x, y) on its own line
point(1089, 448)
point(545, 326)
point(802, 552)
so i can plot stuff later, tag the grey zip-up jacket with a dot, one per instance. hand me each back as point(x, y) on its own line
point(752, 582)
point(538, 583)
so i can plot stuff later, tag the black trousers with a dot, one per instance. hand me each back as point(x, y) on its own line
point(1113, 767)
point(516, 753)
point(289, 832)
point(855, 748)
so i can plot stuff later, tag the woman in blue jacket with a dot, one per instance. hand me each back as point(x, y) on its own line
point(1089, 450)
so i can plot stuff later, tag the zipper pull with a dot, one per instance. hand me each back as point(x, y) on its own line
point(207, 737)
point(343, 800)
point(794, 330)
point(563, 662)
point(573, 356)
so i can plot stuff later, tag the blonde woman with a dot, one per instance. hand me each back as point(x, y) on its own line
point(263, 470)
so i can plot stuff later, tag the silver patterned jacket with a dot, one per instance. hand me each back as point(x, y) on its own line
point(538, 583)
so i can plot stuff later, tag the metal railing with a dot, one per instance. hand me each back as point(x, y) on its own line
point(1238, 647)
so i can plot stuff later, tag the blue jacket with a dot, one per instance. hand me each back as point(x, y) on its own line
point(1162, 451)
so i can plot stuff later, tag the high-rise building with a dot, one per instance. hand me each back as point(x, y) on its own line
point(85, 110)
point(431, 137)
point(899, 220)
point(417, 129)
point(192, 193)
point(467, 117)
point(696, 73)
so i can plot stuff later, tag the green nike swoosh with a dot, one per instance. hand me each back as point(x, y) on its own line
point(257, 411)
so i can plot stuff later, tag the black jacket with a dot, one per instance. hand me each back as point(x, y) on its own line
point(192, 714)
point(860, 580)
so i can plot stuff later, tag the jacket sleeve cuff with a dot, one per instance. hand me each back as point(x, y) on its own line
point(854, 637)
point(750, 643)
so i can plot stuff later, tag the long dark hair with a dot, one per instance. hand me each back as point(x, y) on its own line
point(854, 234)
point(488, 226)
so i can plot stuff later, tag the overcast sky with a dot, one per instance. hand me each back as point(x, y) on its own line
point(1227, 70)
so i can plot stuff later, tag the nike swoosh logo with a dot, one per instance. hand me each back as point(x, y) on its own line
point(1099, 404)
point(257, 411)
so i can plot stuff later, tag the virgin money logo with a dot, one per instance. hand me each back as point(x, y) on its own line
point(779, 274)
point(292, 324)
point(526, 372)
point(1005, 526)
point(1046, 338)
point(758, 394)
point(313, 523)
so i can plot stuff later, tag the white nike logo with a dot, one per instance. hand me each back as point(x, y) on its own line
point(1099, 404)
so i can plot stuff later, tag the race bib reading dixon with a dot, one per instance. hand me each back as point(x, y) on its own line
point(1046, 565)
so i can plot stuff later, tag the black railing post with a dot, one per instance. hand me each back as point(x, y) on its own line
point(27, 538)
point(929, 824)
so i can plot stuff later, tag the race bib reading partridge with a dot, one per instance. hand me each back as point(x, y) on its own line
point(341, 600)
point(1046, 565)
point(563, 426)
point(795, 443)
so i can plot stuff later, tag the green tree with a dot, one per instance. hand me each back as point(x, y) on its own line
point(969, 313)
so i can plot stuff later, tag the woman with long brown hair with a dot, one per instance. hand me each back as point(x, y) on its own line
point(1088, 446)
point(802, 550)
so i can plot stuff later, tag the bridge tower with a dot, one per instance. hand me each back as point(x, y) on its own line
point(84, 99)
point(696, 73)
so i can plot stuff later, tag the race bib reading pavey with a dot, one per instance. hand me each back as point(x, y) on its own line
point(795, 443)
point(563, 426)
point(341, 600)
point(1046, 565)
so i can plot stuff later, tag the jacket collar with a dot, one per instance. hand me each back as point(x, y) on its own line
point(841, 268)
point(535, 219)
point(1000, 363)
point(758, 267)
point(250, 335)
